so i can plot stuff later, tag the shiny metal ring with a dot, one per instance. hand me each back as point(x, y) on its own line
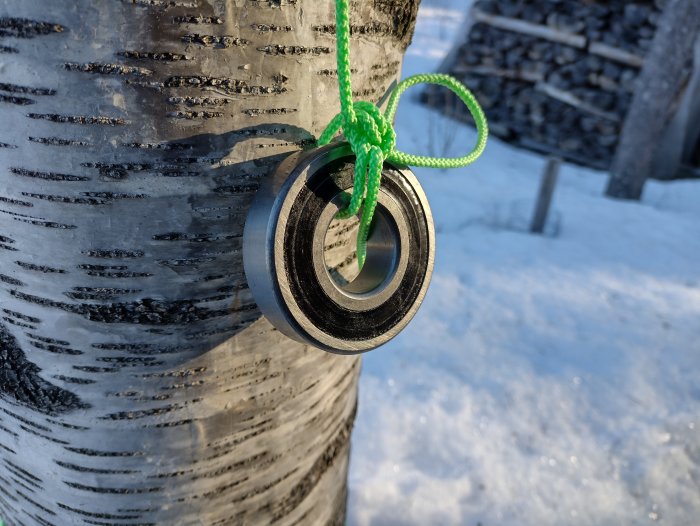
point(301, 265)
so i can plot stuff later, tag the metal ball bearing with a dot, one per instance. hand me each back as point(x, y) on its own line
point(301, 265)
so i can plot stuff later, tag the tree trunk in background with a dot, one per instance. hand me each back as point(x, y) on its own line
point(660, 86)
point(138, 383)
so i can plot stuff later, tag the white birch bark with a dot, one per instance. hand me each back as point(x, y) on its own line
point(138, 384)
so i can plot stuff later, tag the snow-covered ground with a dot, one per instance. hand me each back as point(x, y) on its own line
point(546, 380)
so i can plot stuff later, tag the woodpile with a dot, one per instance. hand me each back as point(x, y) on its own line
point(555, 76)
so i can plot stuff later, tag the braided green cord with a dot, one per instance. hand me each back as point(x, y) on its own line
point(372, 136)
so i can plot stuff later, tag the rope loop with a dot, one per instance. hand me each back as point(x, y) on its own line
point(372, 137)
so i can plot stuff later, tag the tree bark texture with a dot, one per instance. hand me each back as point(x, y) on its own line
point(660, 87)
point(138, 383)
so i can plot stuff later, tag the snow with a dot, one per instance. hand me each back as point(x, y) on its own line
point(546, 379)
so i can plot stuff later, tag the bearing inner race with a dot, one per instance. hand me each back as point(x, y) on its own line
point(335, 256)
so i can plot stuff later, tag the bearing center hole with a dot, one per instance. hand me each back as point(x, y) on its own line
point(340, 253)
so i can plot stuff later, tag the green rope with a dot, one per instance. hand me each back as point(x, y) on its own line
point(372, 136)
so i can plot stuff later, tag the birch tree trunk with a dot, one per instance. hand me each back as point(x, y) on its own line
point(138, 383)
point(659, 89)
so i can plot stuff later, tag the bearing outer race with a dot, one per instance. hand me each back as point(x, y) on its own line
point(279, 277)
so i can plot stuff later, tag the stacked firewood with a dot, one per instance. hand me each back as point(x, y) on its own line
point(555, 76)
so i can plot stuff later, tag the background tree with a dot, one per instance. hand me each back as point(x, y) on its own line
point(138, 383)
point(663, 78)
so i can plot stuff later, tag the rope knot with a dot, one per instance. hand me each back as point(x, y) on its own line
point(369, 128)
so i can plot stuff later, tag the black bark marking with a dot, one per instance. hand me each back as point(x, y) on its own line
point(23, 474)
point(83, 469)
point(182, 373)
point(93, 369)
point(98, 293)
point(96, 453)
point(144, 413)
point(162, 3)
point(98, 515)
point(20, 381)
point(47, 224)
point(144, 311)
point(18, 323)
point(65, 199)
point(16, 214)
point(73, 380)
point(185, 262)
point(40, 268)
point(275, 4)
point(118, 170)
point(56, 141)
point(44, 522)
point(112, 491)
point(24, 28)
point(258, 132)
point(196, 238)
point(25, 90)
point(114, 253)
point(56, 349)
point(107, 69)
point(103, 267)
point(159, 146)
point(254, 112)
point(190, 115)
point(236, 189)
point(129, 361)
point(29, 488)
point(163, 56)
point(270, 28)
point(299, 144)
point(45, 437)
point(50, 176)
point(221, 489)
point(139, 348)
point(11, 281)
point(125, 275)
point(19, 101)
point(20, 316)
point(391, 68)
point(67, 425)
point(230, 86)
point(215, 41)
point(115, 195)
point(332, 72)
point(8, 49)
point(78, 119)
point(48, 340)
point(361, 94)
point(257, 491)
point(8, 431)
point(294, 51)
point(11, 201)
point(199, 101)
point(190, 19)
point(176, 423)
point(260, 460)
